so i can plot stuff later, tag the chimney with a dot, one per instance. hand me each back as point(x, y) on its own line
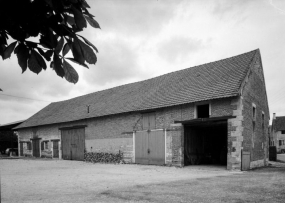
point(274, 116)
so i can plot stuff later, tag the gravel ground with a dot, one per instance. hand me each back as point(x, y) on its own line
point(38, 180)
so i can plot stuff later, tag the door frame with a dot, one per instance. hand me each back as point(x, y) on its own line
point(40, 151)
point(58, 146)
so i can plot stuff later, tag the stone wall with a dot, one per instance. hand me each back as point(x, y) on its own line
point(114, 133)
point(254, 94)
point(235, 138)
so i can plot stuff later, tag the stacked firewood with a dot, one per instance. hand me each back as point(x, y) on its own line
point(101, 157)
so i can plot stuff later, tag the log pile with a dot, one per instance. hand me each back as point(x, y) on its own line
point(101, 157)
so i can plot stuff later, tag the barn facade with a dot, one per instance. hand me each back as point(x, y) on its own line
point(216, 113)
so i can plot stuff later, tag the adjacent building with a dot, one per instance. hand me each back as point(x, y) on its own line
point(215, 113)
point(277, 136)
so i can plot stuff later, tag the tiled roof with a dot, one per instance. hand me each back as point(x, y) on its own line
point(213, 80)
point(9, 126)
point(279, 123)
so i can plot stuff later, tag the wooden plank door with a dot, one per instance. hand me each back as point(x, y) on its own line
point(36, 148)
point(141, 147)
point(73, 144)
point(80, 143)
point(66, 144)
point(156, 145)
point(150, 147)
point(21, 149)
point(55, 149)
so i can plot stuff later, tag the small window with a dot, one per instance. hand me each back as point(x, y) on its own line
point(44, 145)
point(282, 131)
point(203, 111)
point(280, 142)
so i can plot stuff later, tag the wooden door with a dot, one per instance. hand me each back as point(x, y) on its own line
point(80, 143)
point(66, 144)
point(36, 147)
point(21, 149)
point(55, 149)
point(150, 147)
point(141, 147)
point(73, 143)
point(156, 144)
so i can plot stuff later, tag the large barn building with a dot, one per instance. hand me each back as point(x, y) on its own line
point(216, 113)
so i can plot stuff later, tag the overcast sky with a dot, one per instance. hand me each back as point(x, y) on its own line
point(141, 39)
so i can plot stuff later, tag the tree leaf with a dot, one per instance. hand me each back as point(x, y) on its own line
point(16, 49)
point(73, 60)
point(23, 55)
point(70, 20)
point(66, 49)
point(76, 51)
point(79, 19)
point(45, 41)
point(49, 2)
point(9, 50)
point(52, 38)
point(59, 45)
point(85, 4)
point(92, 22)
point(47, 55)
point(58, 66)
point(40, 60)
point(86, 12)
point(31, 44)
point(88, 53)
point(89, 43)
point(33, 63)
point(70, 73)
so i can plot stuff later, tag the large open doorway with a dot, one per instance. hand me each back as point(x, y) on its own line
point(205, 143)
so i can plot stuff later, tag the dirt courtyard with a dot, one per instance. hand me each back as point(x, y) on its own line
point(36, 180)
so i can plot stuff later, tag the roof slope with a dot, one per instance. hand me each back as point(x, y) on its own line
point(9, 126)
point(279, 123)
point(209, 81)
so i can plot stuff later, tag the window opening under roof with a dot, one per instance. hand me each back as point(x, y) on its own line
point(203, 111)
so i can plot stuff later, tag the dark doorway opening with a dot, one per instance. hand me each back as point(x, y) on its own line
point(205, 143)
point(36, 147)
